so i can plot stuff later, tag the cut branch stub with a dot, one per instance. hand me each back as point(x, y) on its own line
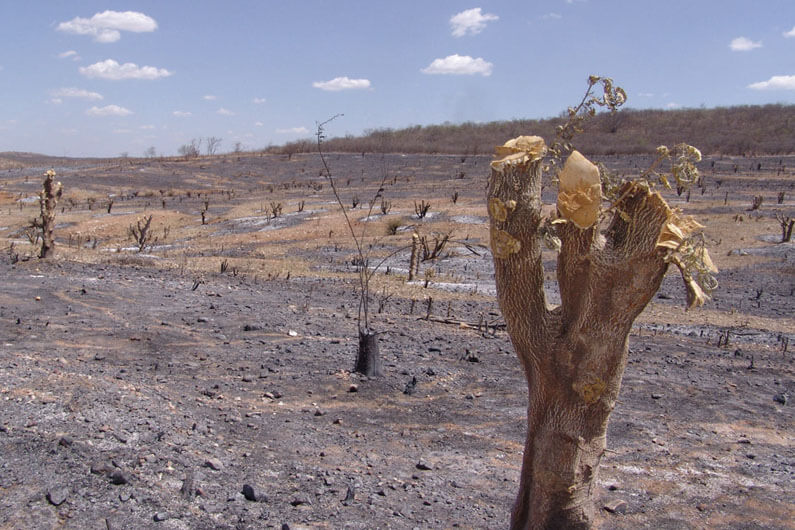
point(579, 191)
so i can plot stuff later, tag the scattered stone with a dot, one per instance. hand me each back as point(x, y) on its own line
point(656, 396)
point(616, 506)
point(319, 412)
point(214, 464)
point(65, 441)
point(252, 327)
point(781, 398)
point(57, 495)
point(202, 320)
point(100, 468)
point(353, 388)
point(160, 516)
point(422, 465)
point(300, 499)
point(253, 494)
point(125, 496)
point(119, 478)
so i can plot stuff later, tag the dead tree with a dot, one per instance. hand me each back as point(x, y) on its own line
point(787, 224)
point(573, 355)
point(48, 201)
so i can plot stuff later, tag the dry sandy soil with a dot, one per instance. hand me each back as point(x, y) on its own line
point(153, 389)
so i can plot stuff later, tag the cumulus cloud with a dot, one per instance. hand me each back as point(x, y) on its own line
point(258, 124)
point(342, 83)
point(258, 101)
point(551, 16)
point(209, 97)
point(744, 44)
point(470, 22)
point(293, 130)
point(790, 33)
point(108, 25)
point(109, 110)
point(110, 69)
point(182, 114)
point(459, 65)
point(777, 82)
point(224, 112)
point(75, 93)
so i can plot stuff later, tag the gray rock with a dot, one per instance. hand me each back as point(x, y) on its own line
point(57, 495)
point(616, 506)
point(214, 464)
point(160, 516)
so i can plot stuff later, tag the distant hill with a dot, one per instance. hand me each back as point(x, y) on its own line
point(742, 130)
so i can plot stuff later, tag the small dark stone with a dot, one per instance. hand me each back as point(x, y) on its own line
point(253, 494)
point(781, 398)
point(65, 441)
point(160, 516)
point(353, 388)
point(422, 465)
point(656, 396)
point(298, 500)
point(57, 495)
point(410, 386)
point(349, 496)
point(100, 468)
point(119, 477)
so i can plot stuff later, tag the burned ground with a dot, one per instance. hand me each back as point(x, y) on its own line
point(149, 389)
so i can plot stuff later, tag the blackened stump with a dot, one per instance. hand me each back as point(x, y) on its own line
point(368, 360)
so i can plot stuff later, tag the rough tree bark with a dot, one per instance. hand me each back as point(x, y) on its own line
point(573, 355)
point(368, 359)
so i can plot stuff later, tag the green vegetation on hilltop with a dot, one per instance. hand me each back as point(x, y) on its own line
point(743, 130)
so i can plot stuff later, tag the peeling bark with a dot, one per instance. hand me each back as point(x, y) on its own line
point(573, 355)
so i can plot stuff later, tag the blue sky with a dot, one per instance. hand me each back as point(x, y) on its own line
point(91, 78)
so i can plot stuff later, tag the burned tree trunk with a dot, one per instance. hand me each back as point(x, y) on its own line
point(573, 355)
point(48, 201)
point(368, 359)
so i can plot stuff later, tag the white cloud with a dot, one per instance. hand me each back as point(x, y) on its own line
point(108, 110)
point(147, 127)
point(342, 83)
point(75, 93)
point(790, 33)
point(551, 16)
point(258, 124)
point(459, 65)
point(258, 101)
point(293, 130)
point(470, 22)
point(108, 25)
point(182, 114)
point(777, 82)
point(672, 106)
point(122, 131)
point(110, 69)
point(69, 53)
point(55, 101)
point(209, 97)
point(744, 44)
point(224, 112)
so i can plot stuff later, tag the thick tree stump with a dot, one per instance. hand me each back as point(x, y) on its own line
point(573, 355)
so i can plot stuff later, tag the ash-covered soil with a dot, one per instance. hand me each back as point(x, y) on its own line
point(151, 390)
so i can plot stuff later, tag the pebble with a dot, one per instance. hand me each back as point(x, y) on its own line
point(214, 464)
point(422, 465)
point(253, 494)
point(119, 477)
point(57, 495)
point(616, 506)
point(160, 516)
